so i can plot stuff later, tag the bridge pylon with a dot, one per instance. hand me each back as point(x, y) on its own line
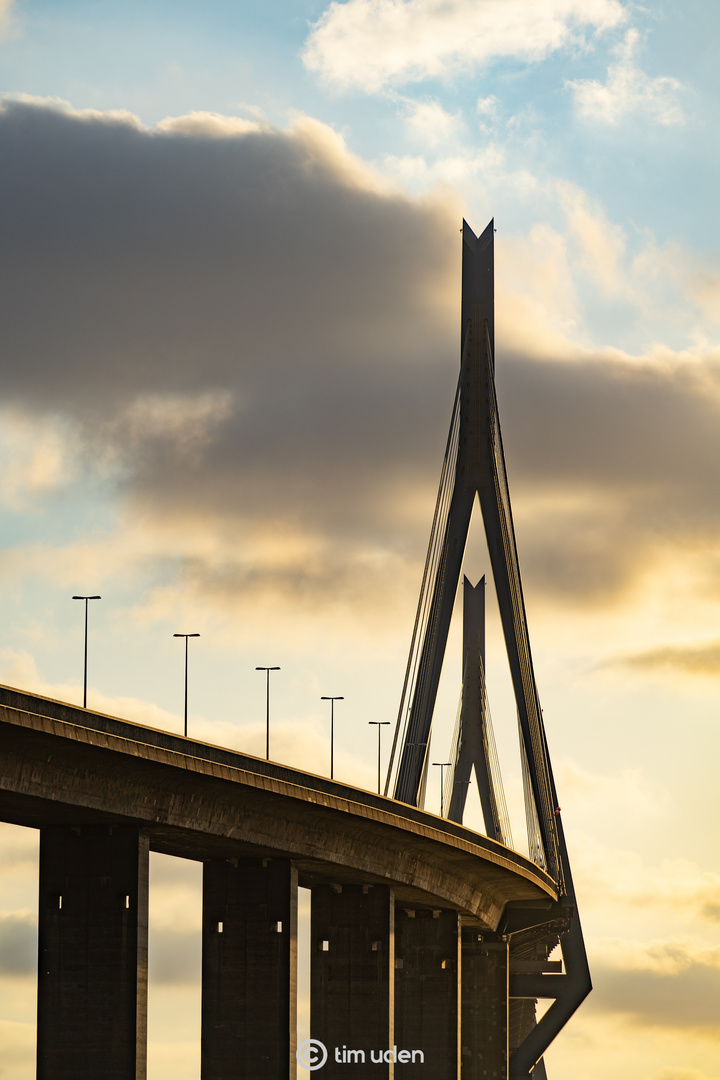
point(474, 466)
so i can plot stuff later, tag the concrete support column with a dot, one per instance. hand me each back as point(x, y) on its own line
point(521, 1021)
point(427, 991)
point(249, 970)
point(485, 983)
point(92, 963)
point(351, 972)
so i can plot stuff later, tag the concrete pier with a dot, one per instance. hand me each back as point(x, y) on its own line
point(92, 962)
point(427, 991)
point(352, 992)
point(249, 970)
point(484, 1008)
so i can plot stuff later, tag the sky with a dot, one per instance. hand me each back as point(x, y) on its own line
point(230, 273)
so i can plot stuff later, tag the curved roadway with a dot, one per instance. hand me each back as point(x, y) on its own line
point(63, 765)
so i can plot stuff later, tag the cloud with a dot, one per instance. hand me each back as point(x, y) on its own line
point(628, 90)
point(209, 125)
point(18, 943)
point(600, 243)
point(19, 851)
point(19, 669)
point(705, 286)
point(457, 168)
point(175, 920)
point(38, 457)
point(696, 280)
point(487, 110)
point(700, 658)
point(667, 956)
point(371, 44)
point(429, 122)
point(174, 956)
point(637, 484)
point(662, 984)
point(626, 794)
point(672, 1073)
point(18, 1043)
point(6, 11)
point(249, 341)
point(209, 314)
point(624, 878)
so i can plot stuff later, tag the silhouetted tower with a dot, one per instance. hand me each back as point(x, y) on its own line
point(474, 465)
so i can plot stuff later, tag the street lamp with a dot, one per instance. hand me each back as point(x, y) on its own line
point(332, 701)
point(443, 765)
point(379, 724)
point(267, 708)
point(86, 598)
point(186, 636)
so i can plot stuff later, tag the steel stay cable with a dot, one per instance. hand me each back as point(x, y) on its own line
point(429, 572)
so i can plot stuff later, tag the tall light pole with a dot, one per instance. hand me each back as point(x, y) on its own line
point(186, 636)
point(379, 724)
point(267, 708)
point(443, 765)
point(86, 598)
point(332, 701)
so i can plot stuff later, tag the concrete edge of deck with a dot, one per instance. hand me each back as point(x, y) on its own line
point(171, 783)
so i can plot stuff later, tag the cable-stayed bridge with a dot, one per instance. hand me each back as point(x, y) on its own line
point(430, 943)
point(474, 466)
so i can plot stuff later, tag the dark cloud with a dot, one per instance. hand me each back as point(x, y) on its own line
point(616, 424)
point(18, 944)
point(623, 454)
point(174, 956)
point(262, 340)
point(138, 261)
point(699, 659)
point(265, 269)
point(687, 999)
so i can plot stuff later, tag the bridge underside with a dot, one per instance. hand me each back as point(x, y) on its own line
point(418, 924)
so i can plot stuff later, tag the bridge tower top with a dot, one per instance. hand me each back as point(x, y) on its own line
point(474, 466)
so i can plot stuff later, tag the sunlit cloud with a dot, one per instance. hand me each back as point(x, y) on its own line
point(371, 44)
point(20, 669)
point(664, 957)
point(601, 244)
point(612, 875)
point(672, 1073)
point(599, 1044)
point(17, 1040)
point(629, 90)
point(627, 794)
point(430, 123)
point(38, 455)
point(207, 125)
point(7, 10)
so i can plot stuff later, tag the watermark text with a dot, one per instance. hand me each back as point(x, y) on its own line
point(313, 1054)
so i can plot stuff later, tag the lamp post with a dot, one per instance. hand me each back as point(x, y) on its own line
point(379, 724)
point(186, 636)
point(267, 670)
point(332, 701)
point(443, 765)
point(86, 598)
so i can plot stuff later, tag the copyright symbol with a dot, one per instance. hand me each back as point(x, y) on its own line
point(311, 1055)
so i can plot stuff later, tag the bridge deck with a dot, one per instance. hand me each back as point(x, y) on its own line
point(64, 765)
